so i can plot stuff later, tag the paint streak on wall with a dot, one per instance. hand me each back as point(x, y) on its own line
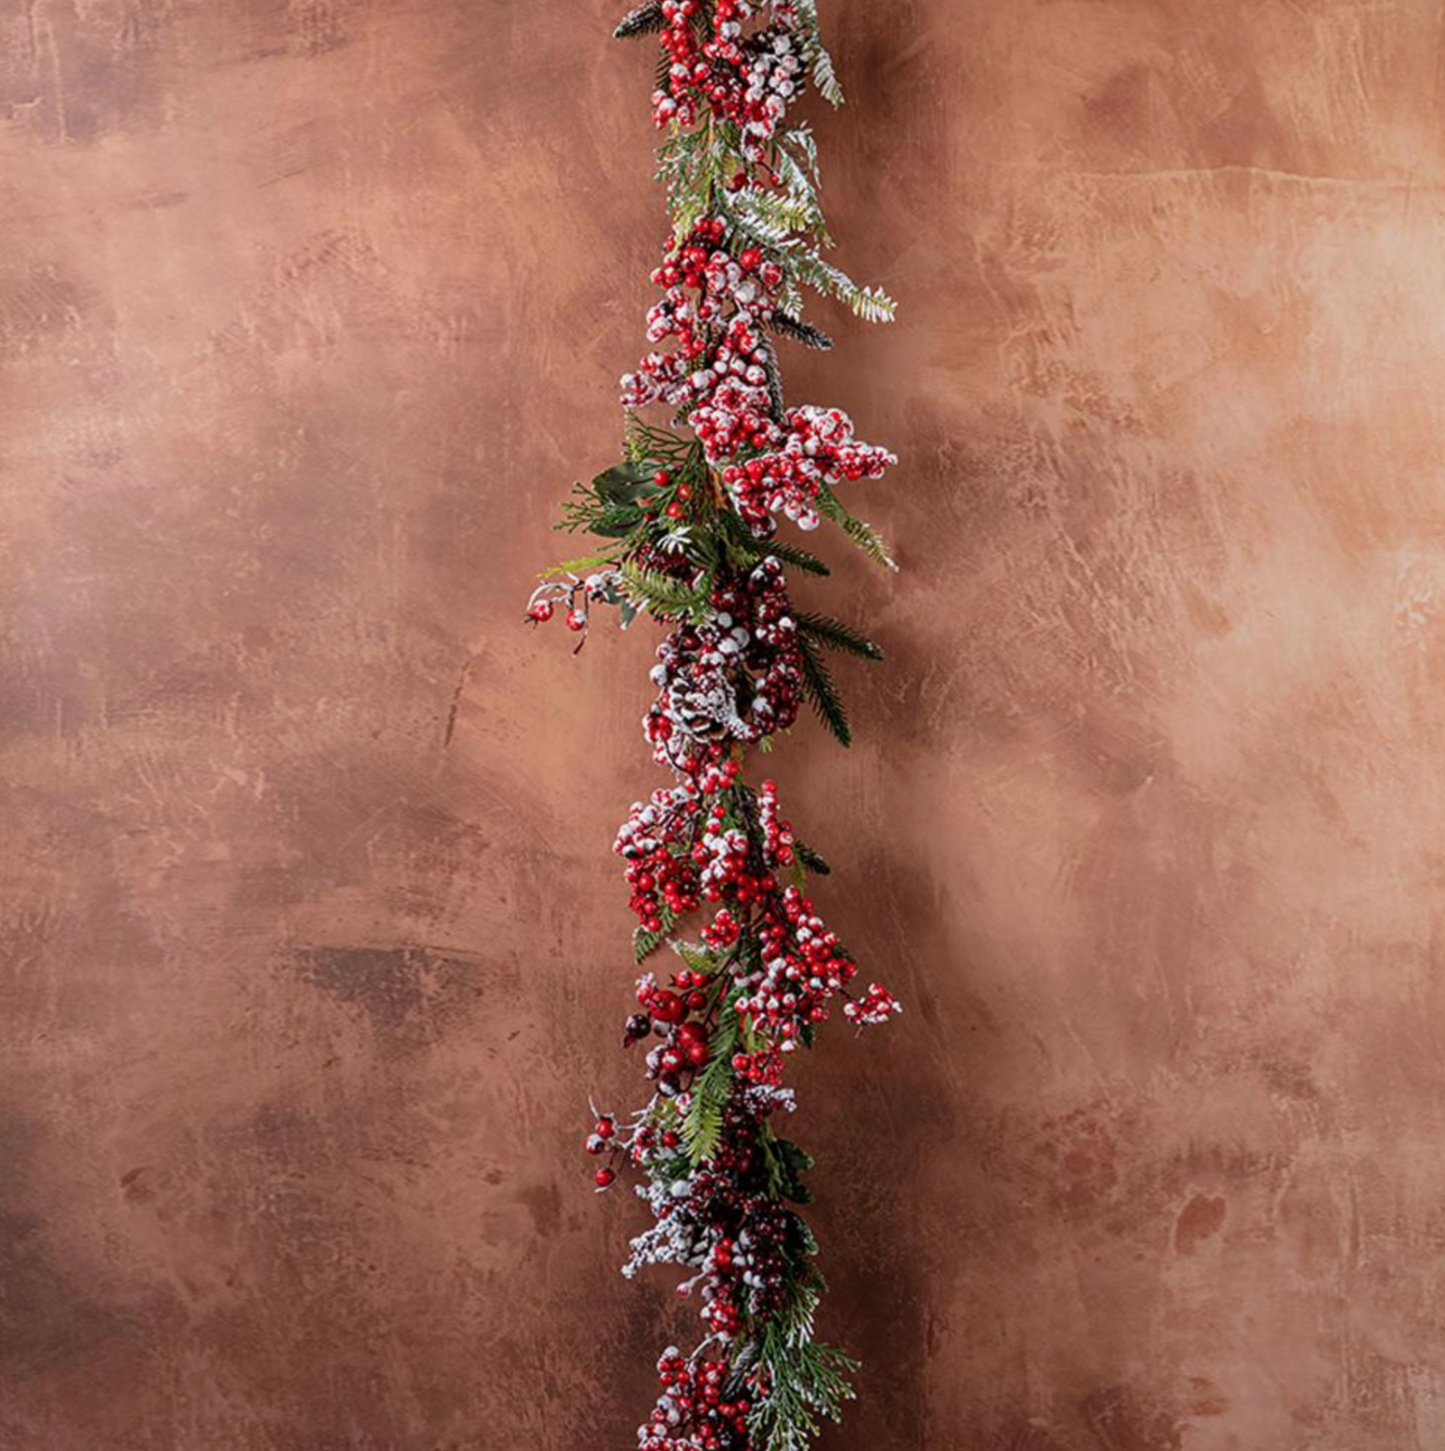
point(310, 312)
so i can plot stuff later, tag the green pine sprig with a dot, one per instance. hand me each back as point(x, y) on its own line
point(788, 326)
point(821, 693)
point(644, 20)
point(835, 635)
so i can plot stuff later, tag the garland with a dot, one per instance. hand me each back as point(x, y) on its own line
point(689, 518)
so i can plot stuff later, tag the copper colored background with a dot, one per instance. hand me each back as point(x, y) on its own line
point(313, 943)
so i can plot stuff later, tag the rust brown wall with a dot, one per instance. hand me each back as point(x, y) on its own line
point(310, 313)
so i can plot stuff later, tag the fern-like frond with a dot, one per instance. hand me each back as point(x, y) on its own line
point(872, 304)
point(645, 943)
point(664, 595)
point(821, 62)
point(864, 535)
point(702, 1124)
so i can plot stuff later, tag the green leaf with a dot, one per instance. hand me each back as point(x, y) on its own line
point(626, 483)
point(822, 694)
point(835, 635)
point(787, 1164)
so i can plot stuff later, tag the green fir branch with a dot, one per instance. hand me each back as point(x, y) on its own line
point(811, 859)
point(644, 20)
point(788, 326)
point(821, 692)
point(835, 635)
point(808, 1383)
point(742, 541)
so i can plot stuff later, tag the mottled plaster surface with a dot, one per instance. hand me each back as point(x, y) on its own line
point(312, 941)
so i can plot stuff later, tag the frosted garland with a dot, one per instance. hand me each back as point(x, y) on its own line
point(689, 523)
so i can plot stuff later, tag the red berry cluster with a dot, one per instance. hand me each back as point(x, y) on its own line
point(699, 1409)
point(576, 594)
point(719, 335)
point(735, 419)
point(684, 1047)
point(655, 841)
point(748, 81)
point(804, 966)
point(722, 931)
point(819, 450)
point(877, 1005)
point(777, 833)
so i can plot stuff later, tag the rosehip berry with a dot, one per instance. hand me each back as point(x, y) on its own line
point(576, 620)
point(603, 1177)
point(540, 611)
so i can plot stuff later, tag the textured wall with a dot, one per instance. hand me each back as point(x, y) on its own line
point(313, 945)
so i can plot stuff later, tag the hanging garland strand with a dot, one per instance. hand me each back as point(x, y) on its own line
point(689, 519)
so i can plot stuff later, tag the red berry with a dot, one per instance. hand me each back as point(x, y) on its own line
point(749, 258)
point(540, 611)
point(576, 620)
point(667, 1007)
point(603, 1177)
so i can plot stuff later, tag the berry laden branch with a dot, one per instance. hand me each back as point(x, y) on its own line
point(687, 524)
